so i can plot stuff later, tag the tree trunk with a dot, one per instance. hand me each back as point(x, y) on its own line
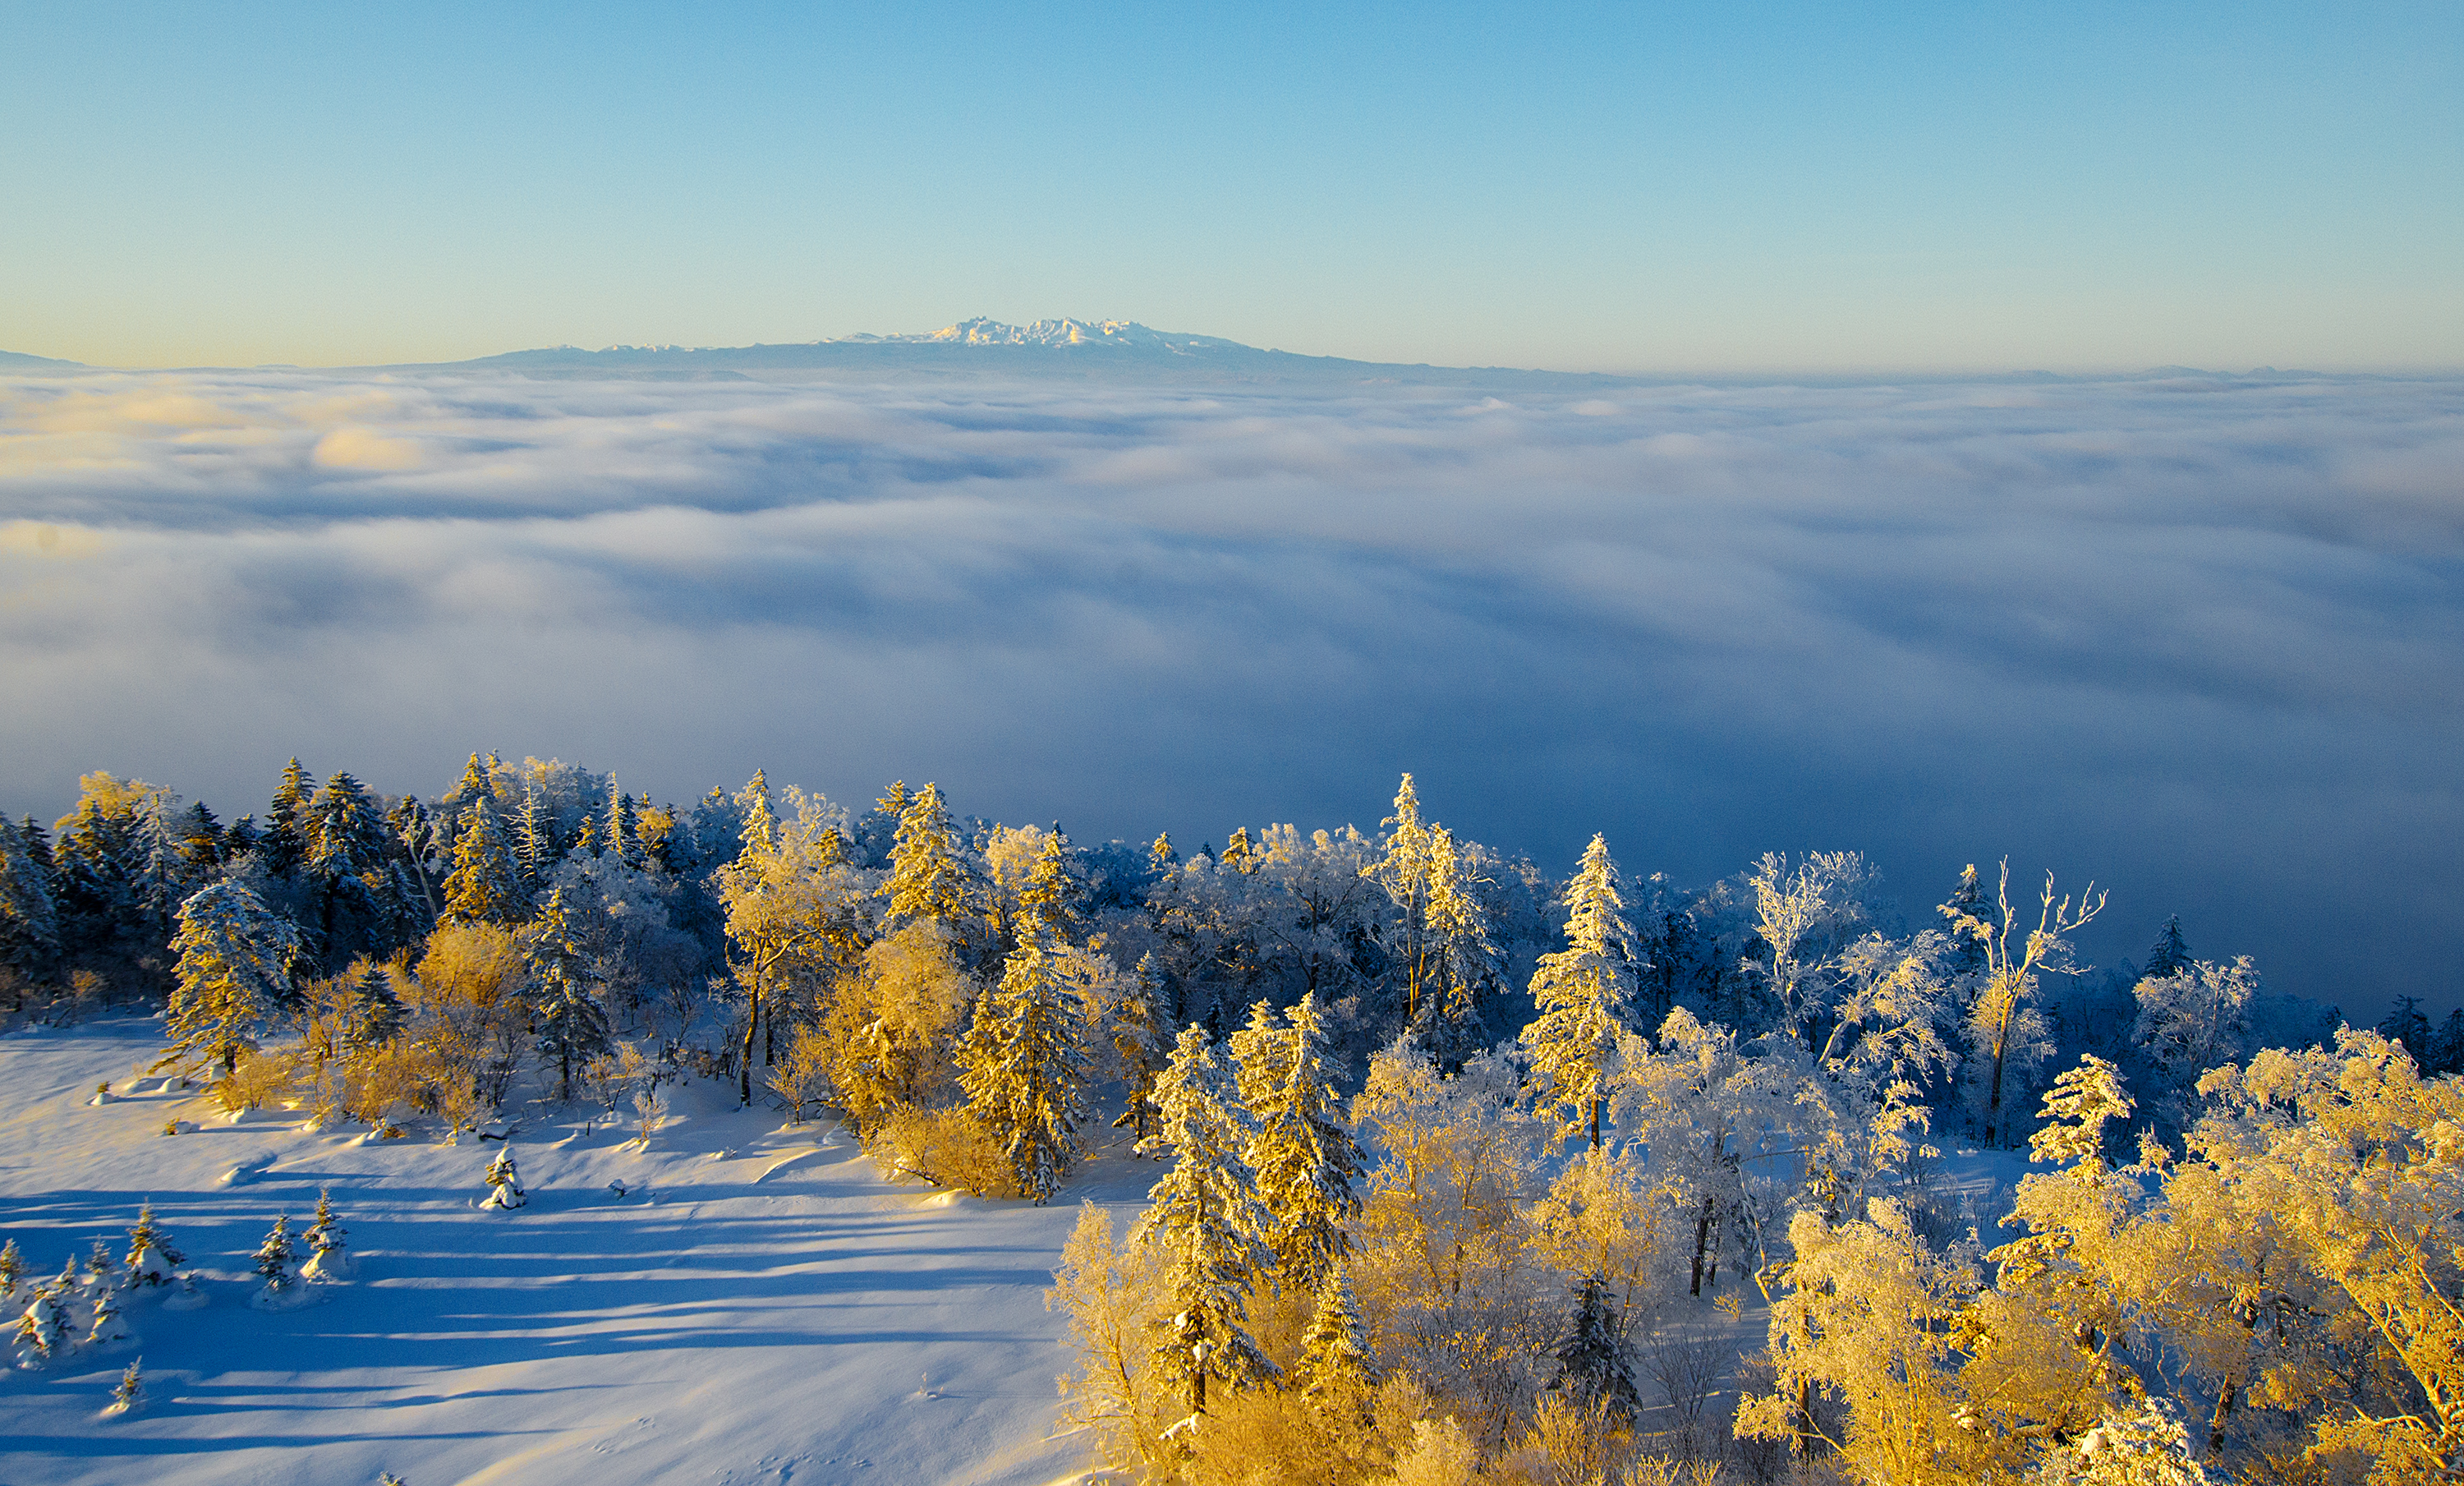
point(2216, 1426)
point(752, 1016)
point(1702, 1241)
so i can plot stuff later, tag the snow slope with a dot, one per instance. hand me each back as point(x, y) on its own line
point(770, 1310)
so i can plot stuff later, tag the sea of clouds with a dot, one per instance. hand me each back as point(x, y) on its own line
point(2200, 638)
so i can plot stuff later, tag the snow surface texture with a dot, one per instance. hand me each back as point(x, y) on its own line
point(772, 1316)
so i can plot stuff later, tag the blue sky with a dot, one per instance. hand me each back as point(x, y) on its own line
point(1699, 187)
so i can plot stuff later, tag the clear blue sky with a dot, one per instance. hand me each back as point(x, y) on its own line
point(1704, 187)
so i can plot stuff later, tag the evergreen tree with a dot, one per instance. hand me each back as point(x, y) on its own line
point(2080, 1104)
point(2446, 1046)
point(2170, 955)
point(927, 878)
point(151, 1256)
point(1050, 897)
point(242, 838)
point(572, 1025)
point(504, 1180)
point(328, 1251)
point(622, 839)
point(2406, 1025)
point(108, 1324)
point(1465, 960)
point(534, 842)
point(162, 874)
point(1206, 1219)
point(1023, 1066)
point(1239, 855)
point(1138, 1038)
point(1160, 857)
point(1592, 1366)
point(376, 1013)
point(234, 974)
point(277, 1260)
point(484, 888)
point(13, 1268)
point(1967, 901)
point(284, 843)
point(1582, 993)
point(1335, 1353)
point(1301, 1149)
point(1405, 872)
point(42, 1328)
point(30, 924)
point(129, 1395)
point(346, 865)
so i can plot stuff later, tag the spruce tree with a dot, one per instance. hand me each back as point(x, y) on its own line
point(346, 862)
point(1591, 1368)
point(283, 845)
point(1021, 1064)
point(376, 1011)
point(328, 1251)
point(234, 974)
point(504, 1180)
point(571, 1024)
point(151, 1256)
point(1206, 1219)
point(1050, 896)
point(277, 1260)
point(30, 923)
point(13, 1268)
point(130, 1393)
point(2406, 1025)
point(2170, 955)
point(1464, 959)
point(927, 878)
point(1334, 1364)
point(1583, 992)
point(1301, 1149)
point(484, 887)
point(1138, 1038)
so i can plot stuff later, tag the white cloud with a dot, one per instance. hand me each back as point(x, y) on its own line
point(2200, 638)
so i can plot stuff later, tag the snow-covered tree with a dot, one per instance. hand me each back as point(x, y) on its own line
point(30, 923)
point(277, 1262)
point(2145, 1445)
point(1592, 1370)
point(108, 1325)
point(486, 886)
point(375, 1012)
point(234, 975)
point(2006, 1032)
point(1583, 994)
point(928, 875)
point(2169, 954)
point(1021, 1065)
point(795, 905)
point(2195, 1018)
point(329, 1255)
point(1464, 957)
point(1206, 1217)
point(2081, 1102)
point(13, 1268)
point(1335, 1363)
point(128, 1395)
point(42, 1327)
point(504, 1178)
point(151, 1256)
point(1140, 1045)
point(1302, 1150)
point(1405, 871)
point(571, 1024)
point(1806, 913)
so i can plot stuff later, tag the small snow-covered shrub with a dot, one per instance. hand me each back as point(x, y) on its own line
point(947, 1148)
point(256, 1080)
point(803, 1078)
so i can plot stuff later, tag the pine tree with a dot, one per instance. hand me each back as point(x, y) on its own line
point(1205, 1218)
point(1592, 1366)
point(1334, 1354)
point(329, 1254)
point(151, 1256)
point(1021, 1064)
point(1583, 992)
point(1465, 959)
point(277, 1260)
point(505, 1183)
point(571, 1024)
point(1052, 892)
point(12, 1267)
point(927, 878)
point(108, 1325)
point(1160, 857)
point(2080, 1104)
point(41, 1329)
point(30, 923)
point(1301, 1151)
point(234, 974)
point(284, 843)
point(484, 887)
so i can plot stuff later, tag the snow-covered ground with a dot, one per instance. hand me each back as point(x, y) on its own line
point(761, 1307)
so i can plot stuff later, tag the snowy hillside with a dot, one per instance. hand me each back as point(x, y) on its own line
point(760, 1305)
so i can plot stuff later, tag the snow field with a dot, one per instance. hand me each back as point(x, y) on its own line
point(761, 1307)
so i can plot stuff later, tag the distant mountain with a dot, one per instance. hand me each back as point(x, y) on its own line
point(1089, 351)
point(20, 361)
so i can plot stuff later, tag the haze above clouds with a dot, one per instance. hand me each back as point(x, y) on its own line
point(2200, 638)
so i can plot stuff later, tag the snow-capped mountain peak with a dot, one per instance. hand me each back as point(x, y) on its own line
point(1125, 334)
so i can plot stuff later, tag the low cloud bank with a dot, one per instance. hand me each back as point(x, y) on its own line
point(2202, 640)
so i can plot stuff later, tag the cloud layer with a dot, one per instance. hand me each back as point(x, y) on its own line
point(2200, 638)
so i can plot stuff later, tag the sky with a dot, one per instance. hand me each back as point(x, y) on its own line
point(2199, 639)
point(1628, 187)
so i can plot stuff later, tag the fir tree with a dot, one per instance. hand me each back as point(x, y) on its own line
point(927, 878)
point(376, 1011)
point(284, 844)
point(13, 1268)
point(329, 1254)
point(108, 1325)
point(2170, 955)
point(1160, 857)
point(41, 1329)
point(1582, 993)
point(1238, 854)
point(1591, 1368)
point(1204, 1218)
point(102, 1271)
point(484, 887)
point(505, 1183)
point(1049, 898)
point(535, 842)
point(1138, 1039)
point(2446, 1046)
point(2080, 1104)
point(1335, 1363)
point(30, 924)
point(234, 974)
point(1464, 959)
point(277, 1260)
point(2406, 1025)
point(346, 861)
point(571, 1024)
point(1301, 1151)
point(151, 1256)
point(130, 1394)
point(1023, 1066)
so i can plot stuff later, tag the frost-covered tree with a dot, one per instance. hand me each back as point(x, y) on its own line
point(2169, 954)
point(2081, 1102)
point(152, 1256)
point(13, 1268)
point(485, 887)
point(504, 1180)
point(2195, 1018)
point(1021, 1065)
point(1583, 994)
point(1301, 1149)
point(42, 1328)
point(928, 874)
point(1140, 1045)
point(277, 1261)
point(571, 1025)
point(795, 905)
point(328, 1243)
point(2006, 1032)
point(1405, 870)
point(1592, 1370)
point(30, 924)
point(234, 975)
point(1334, 1362)
point(1806, 911)
point(1206, 1217)
point(2140, 1446)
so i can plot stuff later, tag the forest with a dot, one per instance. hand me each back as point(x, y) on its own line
point(1459, 1164)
